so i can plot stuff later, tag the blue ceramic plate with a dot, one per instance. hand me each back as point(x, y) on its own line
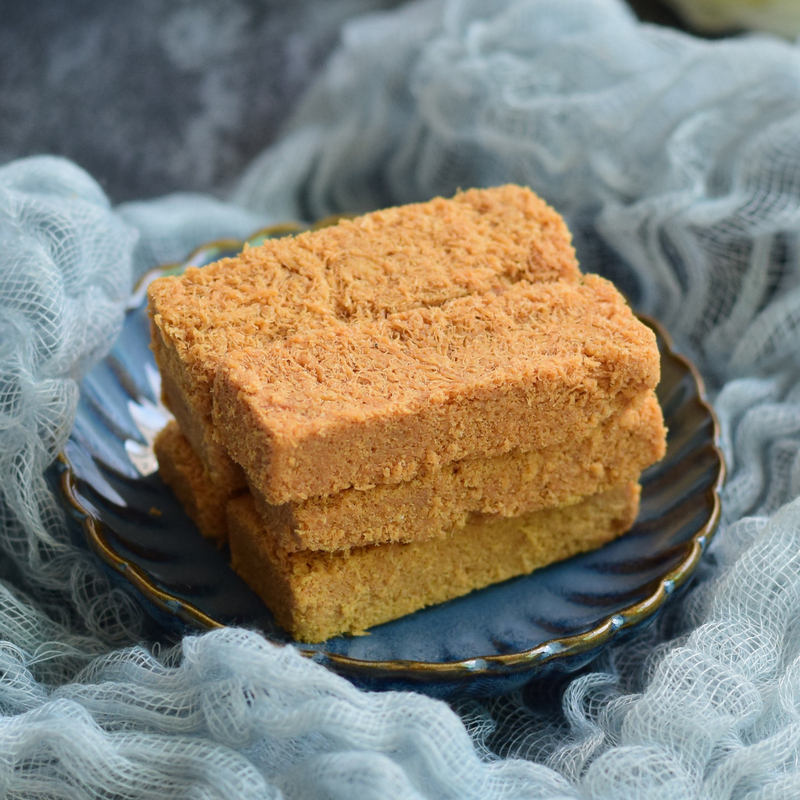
point(490, 641)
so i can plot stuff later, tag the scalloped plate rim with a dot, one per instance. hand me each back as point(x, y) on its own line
point(559, 648)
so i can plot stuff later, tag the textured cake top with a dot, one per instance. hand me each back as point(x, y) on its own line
point(414, 256)
point(577, 338)
point(358, 405)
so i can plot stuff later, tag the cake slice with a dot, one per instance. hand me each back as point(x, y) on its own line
point(356, 406)
point(315, 595)
point(442, 498)
point(391, 261)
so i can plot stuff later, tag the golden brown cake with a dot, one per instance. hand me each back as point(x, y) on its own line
point(404, 407)
point(315, 595)
point(345, 406)
point(391, 261)
point(440, 500)
point(318, 594)
point(226, 474)
point(180, 468)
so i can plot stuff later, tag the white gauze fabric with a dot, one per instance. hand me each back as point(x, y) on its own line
point(65, 274)
point(677, 163)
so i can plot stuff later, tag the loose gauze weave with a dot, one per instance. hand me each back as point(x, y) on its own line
point(677, 164)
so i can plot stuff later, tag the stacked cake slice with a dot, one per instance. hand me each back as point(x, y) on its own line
point(399, 409)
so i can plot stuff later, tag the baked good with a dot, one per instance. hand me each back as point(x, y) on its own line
point(391, 261)
point(318, 594)
point(318, 412)
point(441, 500)
point(225, 473)
point(405, 407)
point(315, 594)
point(182, 470)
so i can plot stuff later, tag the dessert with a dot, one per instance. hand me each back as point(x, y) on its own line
point(183, 471)
point(405, 407)
point(316, 594)
point(361, 405)
point(416, 256)
point(441, 500)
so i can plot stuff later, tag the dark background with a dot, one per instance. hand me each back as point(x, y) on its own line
point(156, 96)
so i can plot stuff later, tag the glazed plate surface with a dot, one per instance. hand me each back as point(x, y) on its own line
point(491, 641)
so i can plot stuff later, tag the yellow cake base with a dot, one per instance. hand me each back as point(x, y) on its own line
point(315, 595)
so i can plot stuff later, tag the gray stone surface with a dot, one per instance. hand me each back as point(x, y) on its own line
point(155, 96)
